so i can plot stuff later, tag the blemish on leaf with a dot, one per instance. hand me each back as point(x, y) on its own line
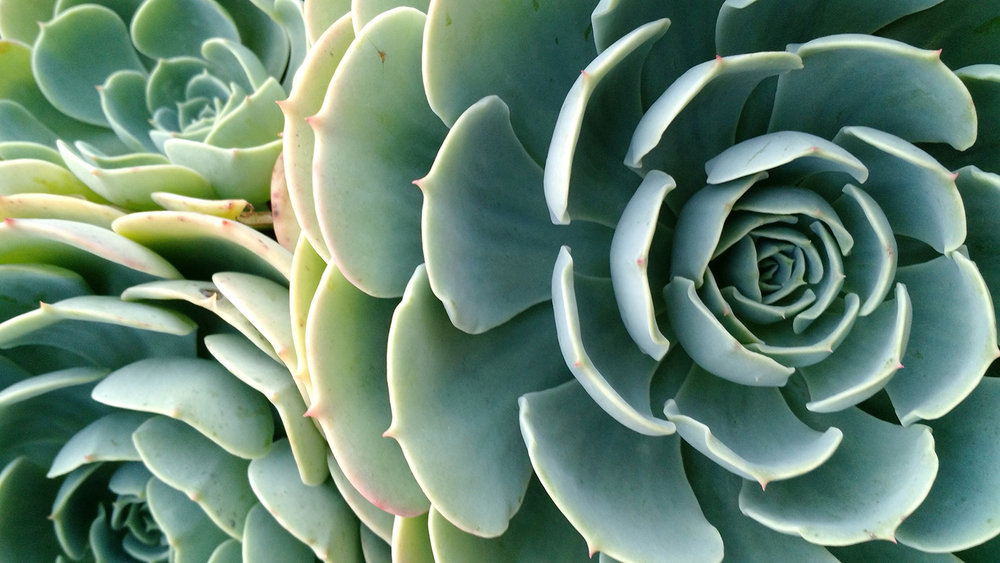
point(447, 18)
point(535, 5)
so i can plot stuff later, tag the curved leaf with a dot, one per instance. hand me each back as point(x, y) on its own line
point(442, 379)
point(199, 392)
point(68, 84)
point(374, 136)
point(637, 503)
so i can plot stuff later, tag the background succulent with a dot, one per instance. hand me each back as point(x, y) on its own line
point(149, 411)
point(659, 308)
point(149, 103)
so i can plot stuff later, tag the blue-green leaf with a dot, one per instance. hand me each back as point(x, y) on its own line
point(636, 503)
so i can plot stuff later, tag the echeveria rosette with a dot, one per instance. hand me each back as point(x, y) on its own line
point(746, 220)
point(150, 104)
point(149, 408)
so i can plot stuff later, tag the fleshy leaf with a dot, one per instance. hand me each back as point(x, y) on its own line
point(843, 501)
point(697, 116)
point(887, 74)
point(298, 138)
point(265, 304)
point(764, 442)
point(316, 516)
point(233, 172)
point(708, 342)
point(960, 510)
point(612, 61)
point(803, 152)
point(69, 85)
point(264, 540)
point(471, 54)
point(375, 134)
point(372, 517)
point(206, 295)
point(981, 195)
point(475, 210)
point(204, 245)
point(946, 292)
point(31, 387)
point(537, 532)
point(200, 469)
point(108, 438)
point(274, 381)
point(870, 268)
point(434, 388)
point(738, 29)
point(191, 534)
point(123, 102)
point(599, 351)
point(132, 186)
point(917, 195)
point(630, 262)
point(25, 531)
point(865, 361)
point(199, 392)
point(346, 339)
point(636, 502)
point(745, 539)
point(48, 206)
point(171, 28)
point(410, 536)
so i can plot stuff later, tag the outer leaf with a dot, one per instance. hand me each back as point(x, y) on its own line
point(410, 537)
point(538, 532)
point(917, 195)
point(436, 387)
point(738, 29)
point(636, 502)
point(745, 539)
point(298, 138)
point(878, 476)
point(204, 245)
point(471, 54)
point(265, 304)
point(476, 210)
point(600, 89)
point(888, 74)
point(960, 510)
point(346, 339)
point(25, 497)
point(919, 391)
point(374, 136)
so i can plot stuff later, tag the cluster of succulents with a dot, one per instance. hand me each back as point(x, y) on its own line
point(672, 280)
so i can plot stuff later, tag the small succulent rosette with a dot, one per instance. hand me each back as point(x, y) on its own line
point(150, 104)
point(667, 280)
point(151, 399)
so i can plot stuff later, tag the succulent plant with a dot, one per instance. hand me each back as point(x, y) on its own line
point(149, 103)
point(676, 281)
point(151, 399)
